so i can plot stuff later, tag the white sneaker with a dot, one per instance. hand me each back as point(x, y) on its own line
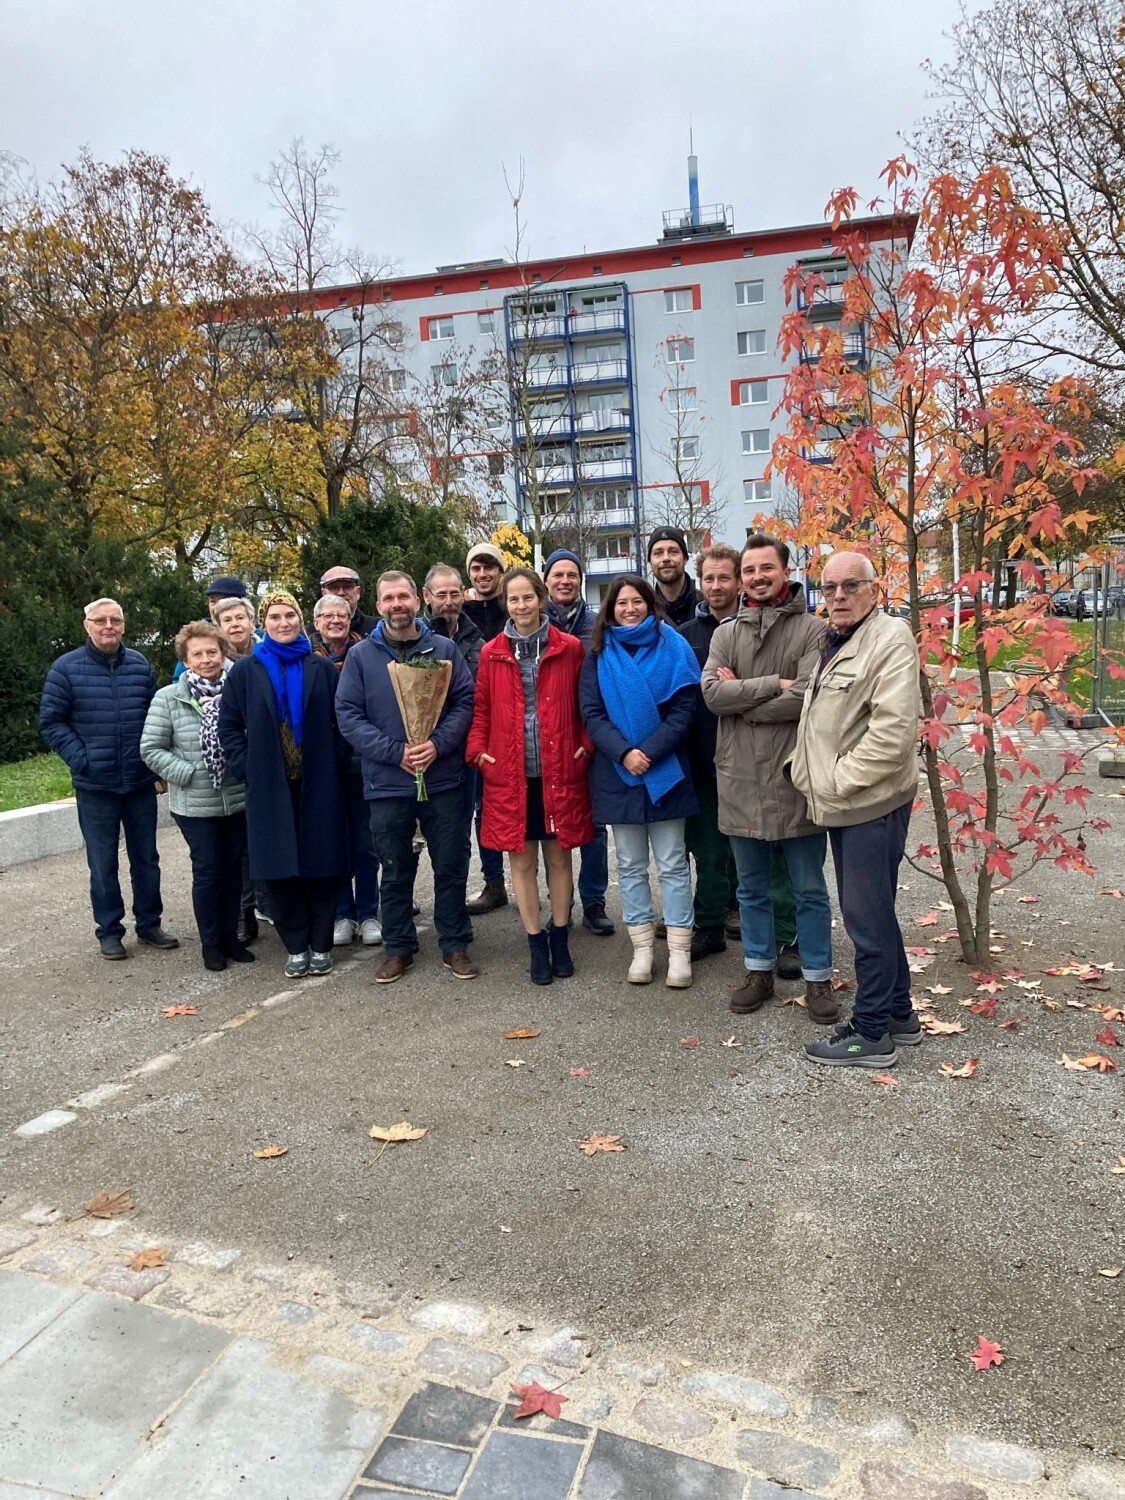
point(343, 933)
point(371, 933)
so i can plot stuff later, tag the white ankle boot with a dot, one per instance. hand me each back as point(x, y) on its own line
point(679, 958)
point(644, 942)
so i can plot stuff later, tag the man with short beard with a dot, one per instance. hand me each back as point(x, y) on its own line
point(668, 557)
point(485, 565)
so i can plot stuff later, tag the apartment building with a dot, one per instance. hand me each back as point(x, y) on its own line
point(639, 386)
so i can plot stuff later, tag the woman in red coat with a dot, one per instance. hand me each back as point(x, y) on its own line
point(532, 749)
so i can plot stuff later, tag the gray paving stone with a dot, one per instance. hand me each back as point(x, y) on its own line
point(385, 1342)
point(850, 1419)
point(785, 1459)
point(247, 1427)
point(42, 1214)
point(26, 1307)
point(513, 1467)
point(101, 1229)
point(463, 1366)
point(51, 1119)
point(1006, 1461)
point(540, 1422)
point(621, 1469)
point(1097, 1482)
point(669, 1419)
point(736, 1390)
point(123, 1282)
point(296, 1313)
point(424, 1466)
point(335, 1371)
point(444, 1415)
point(13, 1239)
point(889, 1481)
point(63, 1260)
point(767, 1489)
point(597, 1406)
point(451, 1317)
point(80, 1397)
point(538, 1374)
point(207, 1256)
point(642, 1374)
point(17, 1492)
point(564, 1347)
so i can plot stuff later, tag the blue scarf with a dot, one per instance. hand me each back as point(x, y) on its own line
point(634, 684)
point(282, 660)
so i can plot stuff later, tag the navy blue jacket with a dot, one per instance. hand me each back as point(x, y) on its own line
point(579, 626)
point(705, 729)
point(92, 712)
point(614, 801)
point(250, 734)
point(369, 717)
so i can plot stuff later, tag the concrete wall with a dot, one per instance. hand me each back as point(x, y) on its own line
point(29, 833)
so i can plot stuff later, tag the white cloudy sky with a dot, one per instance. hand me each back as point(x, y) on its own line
point(428, 100)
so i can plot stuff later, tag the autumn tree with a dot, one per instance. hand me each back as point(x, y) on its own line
point(928, 433)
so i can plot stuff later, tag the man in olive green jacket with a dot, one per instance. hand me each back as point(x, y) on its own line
point(856, 762)
point(753, 682)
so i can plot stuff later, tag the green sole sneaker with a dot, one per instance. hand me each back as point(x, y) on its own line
point(852, 1051)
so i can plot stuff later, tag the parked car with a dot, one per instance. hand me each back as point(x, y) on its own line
point(1064, 601)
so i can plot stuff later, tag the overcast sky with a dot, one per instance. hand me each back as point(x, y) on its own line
point(428, 100)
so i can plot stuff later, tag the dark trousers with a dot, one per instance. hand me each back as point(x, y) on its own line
point(593, 869)
point(867, 857)
point(710, 850)
point(304, 911)
point(491, 861)
point(102, 816)
point(359, 891)
point(442, 820)
point(217, 847)
point(784, 901)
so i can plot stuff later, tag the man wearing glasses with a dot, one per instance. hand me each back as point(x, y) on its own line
point(345, 582)
point(856, 762)
point(93, 709)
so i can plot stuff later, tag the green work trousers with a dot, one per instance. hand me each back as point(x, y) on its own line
point(715, 878)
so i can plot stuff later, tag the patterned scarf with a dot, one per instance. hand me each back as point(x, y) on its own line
point(207, 695)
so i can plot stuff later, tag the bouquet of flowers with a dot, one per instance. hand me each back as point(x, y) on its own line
point(420, 688)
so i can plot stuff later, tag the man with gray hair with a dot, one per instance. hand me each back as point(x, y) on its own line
point(93, 710)
point(856, 764)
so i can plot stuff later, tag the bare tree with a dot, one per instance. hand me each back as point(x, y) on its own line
point(693, 496)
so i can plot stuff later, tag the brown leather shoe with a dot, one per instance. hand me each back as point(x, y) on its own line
point(733, 926)
point(393, 967)
point(821, 1002)
point(753, 992)
point(460, 965)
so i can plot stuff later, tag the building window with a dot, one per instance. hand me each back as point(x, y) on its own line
point(753, 392)
point(441, 328)
point(756, 440)
point(681, 351)
point(612, 497)
point(486, 322)
point(676, 261)
point(445, 374)
point(678, 301)
point(752, 342)
point(614, 545)
point(397, 426)
point(595, 270)
point(755, 489)
point(747, 293)
point(686, 398)
point(394, 380)
point(495, 464)
point(686, 447)
point(600, 299)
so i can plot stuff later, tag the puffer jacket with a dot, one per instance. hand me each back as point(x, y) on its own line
point(757, 721)
point(170, 747)
point(92, 714)
point(856, 756)
point(498, 731)
point(577, 621)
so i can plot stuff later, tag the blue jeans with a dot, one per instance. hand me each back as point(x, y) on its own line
point(102, 816)
point(593, 869)
point(358, 901)
point(867, 857)
point(442, 821)
point(804, 859)
point(632, 841)
point(491, 861)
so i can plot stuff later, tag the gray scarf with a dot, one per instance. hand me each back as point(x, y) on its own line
point(527, 649)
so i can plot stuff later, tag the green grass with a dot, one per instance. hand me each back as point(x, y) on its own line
point(43, 778)
point(1079, 682)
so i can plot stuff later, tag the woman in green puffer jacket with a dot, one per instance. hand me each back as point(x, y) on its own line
point(180, 743)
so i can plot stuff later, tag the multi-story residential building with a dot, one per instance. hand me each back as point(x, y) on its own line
point(639, 387)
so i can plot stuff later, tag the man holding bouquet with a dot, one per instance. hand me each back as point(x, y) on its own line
point(405, 702)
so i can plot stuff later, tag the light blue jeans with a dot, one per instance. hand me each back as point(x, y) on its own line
point(805, 860)
point(632, 842)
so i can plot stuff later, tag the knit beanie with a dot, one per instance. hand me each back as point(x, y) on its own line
point(560, 554)
point(668, 534)
point(278, 596)
point(486, 552)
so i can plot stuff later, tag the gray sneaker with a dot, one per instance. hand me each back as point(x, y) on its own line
point(907, 1032)
point(320, 963)
point(298, 965)
point(845, 1048)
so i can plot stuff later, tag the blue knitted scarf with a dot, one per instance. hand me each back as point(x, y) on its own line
point(283, 661)
point(634, 683)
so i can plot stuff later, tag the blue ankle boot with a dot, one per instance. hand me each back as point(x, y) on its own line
point(558, 940)
point(541, 972)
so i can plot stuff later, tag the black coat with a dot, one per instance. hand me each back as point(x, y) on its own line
point(705, 728)
point(250, 732)
point(488, 615)
point(681, 609)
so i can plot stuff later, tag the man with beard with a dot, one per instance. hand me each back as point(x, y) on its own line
point(668, 557)
point(485, 564)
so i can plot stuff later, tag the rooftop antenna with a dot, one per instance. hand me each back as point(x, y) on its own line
point(692, 178)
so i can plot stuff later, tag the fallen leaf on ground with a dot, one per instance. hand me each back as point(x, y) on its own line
point(1119, 1169)
point(595, 1143)
point(1012, 1024)
point(147, 1260)
point(1111, 1271)
point(986, 1353)
point(1027, 900)
point(521, 1033)
point(934, 1027)
point(929, 920)
point(109, 1205)
point(393, 1135)
point(535, 1398)
point(938, 989)
point(795, 1000)
point(990, 986)
point(515, 1062)
point(986, 1008)
point(1108, 1037)
point(1096, 1063)
point(1110, 1012)
point(966, 1070)
point(267, 1153)
point(732, 1041)
point(505, 1229)
point(578, 1072)
point(689, 1041)
point(1115, 893)
point(179, 1010)
point(921, 952)
point(885, 1078)
point(1029, 984)
point(841, 984)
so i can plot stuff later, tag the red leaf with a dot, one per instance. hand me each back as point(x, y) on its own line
point(985, 1008)
point(985, 1354)
point(578, 1072)
point(535, 1397)
point(1108, 1037)
point(689, 1041)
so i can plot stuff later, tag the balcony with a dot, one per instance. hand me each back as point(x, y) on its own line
point(605, 468)
point(598, 320)
point(601, 372)
point(557, 426)
point(548, 327)
point(550, 474)
point(600, 566)
point(823, 302)
point(615, 519)
point(819, 453)
point(854, 347)
point(618, 420)
point(543, 377)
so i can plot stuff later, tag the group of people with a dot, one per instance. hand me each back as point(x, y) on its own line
point(724, 724)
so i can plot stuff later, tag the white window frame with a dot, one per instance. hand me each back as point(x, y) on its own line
point(756, 490)
point(683, 398)
point(394, 381)
point(440, 329)
point(745, 338)
point(753, 433)
point(742, 293)
point(681, 351)
point(686, 447)
point(746, 396)
point(678, 300)
point(486, 322)
point(444, 374)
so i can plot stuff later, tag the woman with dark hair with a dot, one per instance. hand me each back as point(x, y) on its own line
point(638, 693)
point(180, 742)
point(528, 741)
point(277, 727)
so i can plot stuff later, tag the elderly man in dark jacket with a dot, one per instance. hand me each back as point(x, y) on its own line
point(93, 710)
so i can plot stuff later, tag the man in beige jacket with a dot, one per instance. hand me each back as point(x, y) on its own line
point(754, 682)
point(856, 762)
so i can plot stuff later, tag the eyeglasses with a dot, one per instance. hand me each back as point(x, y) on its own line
point(849, 586)
point(106, 620)
point(339, 583)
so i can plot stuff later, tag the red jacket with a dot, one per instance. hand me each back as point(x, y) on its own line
point(498, 731)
